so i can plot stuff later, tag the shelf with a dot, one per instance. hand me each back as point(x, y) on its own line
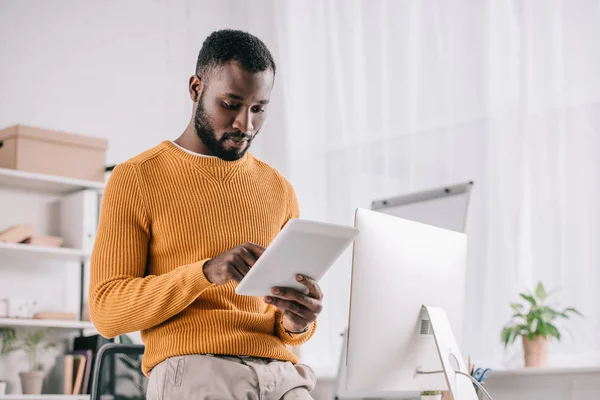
point(45, 323)
point(45, 183)
point(44, 253)
point(44, 397)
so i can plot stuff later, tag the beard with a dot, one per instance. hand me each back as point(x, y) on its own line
point(206, 133)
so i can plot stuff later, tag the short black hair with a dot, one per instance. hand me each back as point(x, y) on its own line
point(227, 45)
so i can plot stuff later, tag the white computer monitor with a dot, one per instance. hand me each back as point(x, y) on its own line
point(399, 266)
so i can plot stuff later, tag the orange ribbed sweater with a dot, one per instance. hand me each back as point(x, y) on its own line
point(164, 214)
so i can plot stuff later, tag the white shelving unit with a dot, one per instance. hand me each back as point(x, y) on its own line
point(44, 397)
point(46, 323)
point(29, 184)
point(40, 252)
point(45, 183)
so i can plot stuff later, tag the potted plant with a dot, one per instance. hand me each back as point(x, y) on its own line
point(431, 395)
point(534, 323)
point(33, 379)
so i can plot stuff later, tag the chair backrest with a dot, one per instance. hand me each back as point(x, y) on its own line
point(117, 372)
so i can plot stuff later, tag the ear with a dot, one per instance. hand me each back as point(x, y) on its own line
point(196, 85)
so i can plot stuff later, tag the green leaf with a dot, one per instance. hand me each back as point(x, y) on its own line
point(517, 307)
point(529, 298)
point(506, 335)
point(532, 315)
point(574, 311)
point(553, 331)
point(49, 346)
point(510, 333)
point(548, 314)
point(9, 340)
point(564, 315)
point(519, 331)
point(534, 326)
point(540, 292)
point(543, 329)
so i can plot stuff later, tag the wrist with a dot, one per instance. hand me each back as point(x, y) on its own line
point(295, 332)
point(206, 271)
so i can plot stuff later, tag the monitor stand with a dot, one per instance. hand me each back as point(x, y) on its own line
point(340, 392)
point(435, 322)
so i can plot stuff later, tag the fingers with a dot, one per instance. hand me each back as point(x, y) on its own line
point(312, 304)
point(242, 260)
point(296, 310)
point(240, 267)
point(234, 273)
point(247, 256)
point(233, 264)
point(314, 290)
point(254, 248)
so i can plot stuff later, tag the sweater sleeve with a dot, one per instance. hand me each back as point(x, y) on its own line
point(292, 339)
point(293, 209)
point(122, 298)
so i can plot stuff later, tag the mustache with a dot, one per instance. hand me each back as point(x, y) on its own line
point(237, 136)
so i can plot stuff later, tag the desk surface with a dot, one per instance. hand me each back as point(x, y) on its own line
point(512, 373)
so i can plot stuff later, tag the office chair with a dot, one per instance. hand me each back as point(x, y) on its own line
point(117, 372)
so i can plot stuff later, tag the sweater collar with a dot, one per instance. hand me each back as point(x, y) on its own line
point(200, 160)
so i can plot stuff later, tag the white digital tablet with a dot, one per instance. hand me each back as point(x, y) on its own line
point(302, 247)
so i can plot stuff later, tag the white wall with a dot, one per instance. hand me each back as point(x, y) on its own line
point(112, 69)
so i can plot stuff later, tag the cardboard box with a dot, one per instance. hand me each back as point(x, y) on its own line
point(51, 152)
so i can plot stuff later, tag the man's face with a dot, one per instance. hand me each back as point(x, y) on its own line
point(232, 109)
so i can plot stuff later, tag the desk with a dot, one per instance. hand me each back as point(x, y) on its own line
point(564, 383)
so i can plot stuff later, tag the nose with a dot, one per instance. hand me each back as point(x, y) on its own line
point(243, 122)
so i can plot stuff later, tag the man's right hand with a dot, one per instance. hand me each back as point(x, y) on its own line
point(233, 264)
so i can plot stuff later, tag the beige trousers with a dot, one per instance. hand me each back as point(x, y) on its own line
point(208, 377)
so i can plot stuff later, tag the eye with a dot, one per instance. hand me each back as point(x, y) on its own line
point(258, 110)
point(230, 106)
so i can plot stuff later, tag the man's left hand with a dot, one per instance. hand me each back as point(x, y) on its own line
point(299, 310)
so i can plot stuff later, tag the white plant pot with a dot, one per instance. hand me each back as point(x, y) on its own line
point(434, 397)
point(2, 388)
point(32, 381)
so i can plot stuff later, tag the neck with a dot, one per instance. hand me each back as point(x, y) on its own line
point(189, 140)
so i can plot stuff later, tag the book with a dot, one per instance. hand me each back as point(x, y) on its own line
point(93, 343)
point(17, 233)
point(56, 316)
point(84, 371)
point(68, 374)
point(47, 241)
point(71, 374)
point(78, 373)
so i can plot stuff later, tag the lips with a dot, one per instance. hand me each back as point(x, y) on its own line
point(237, 143)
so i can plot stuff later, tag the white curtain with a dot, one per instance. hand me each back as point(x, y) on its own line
point(384, 97)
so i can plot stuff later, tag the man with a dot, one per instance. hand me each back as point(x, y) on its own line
point(183, 222)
